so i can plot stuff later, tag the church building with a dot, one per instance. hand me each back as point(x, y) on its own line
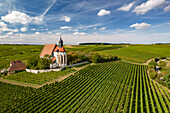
point(57, 54)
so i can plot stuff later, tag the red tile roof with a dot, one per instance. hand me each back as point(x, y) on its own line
point(59, 49)
point(62, 49)
point(17, 66)
point(48, 49)
point(53, 59)
point(14, 62)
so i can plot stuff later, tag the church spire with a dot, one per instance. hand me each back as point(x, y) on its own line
point(60, 42)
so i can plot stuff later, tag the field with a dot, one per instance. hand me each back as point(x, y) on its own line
point(39, 78)
point(106, 87)
point(92, 48)
point(132, 53)
point(140, 53)
point(10, 53)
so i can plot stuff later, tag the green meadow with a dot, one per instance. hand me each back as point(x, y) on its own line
point(10, 53)
point(140, 53)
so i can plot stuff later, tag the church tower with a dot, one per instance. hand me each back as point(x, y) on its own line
point(60, 56)
point(60, 42)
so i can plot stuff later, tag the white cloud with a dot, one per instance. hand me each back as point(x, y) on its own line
point(168, 23)
point(126, 7)
point(167, 8)
point(23, 29)
point(5, 29)
point(49, 32)
point(65, 18)
point(15, 30)
point(79, 33)
point(16, 17)
point(37, 33)
point(94, 28)
point(58, 33)
point(2, 24)
point(103, 12)
point(65, 27)
point(102, 28)
point(141, 26)
point(19, 17)
point(75, 30)
point(149, 5)
point(10, 33)
point(33, 29)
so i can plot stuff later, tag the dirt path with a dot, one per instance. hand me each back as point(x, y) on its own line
point(148, 61)
point(38, 86)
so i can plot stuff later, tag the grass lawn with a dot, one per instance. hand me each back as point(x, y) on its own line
point(140, 53)
point(39, 78)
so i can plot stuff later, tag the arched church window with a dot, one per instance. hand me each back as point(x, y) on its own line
point(61, 59)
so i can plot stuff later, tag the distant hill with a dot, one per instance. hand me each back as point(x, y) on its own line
point(103, 43)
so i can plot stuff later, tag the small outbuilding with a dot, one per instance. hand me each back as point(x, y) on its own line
point(16, 66)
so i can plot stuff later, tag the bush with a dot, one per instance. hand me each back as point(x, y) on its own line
point(152, 73)
point(167, 80)
point(153, 63)
point(162, 64)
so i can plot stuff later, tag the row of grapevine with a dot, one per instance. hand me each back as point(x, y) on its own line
point(105, 87)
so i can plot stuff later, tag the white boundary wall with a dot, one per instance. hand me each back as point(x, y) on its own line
point(49, 70)
point(41, 71)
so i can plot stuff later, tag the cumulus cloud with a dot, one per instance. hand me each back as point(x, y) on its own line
point(168, 23)
point(141, 26)
point(23, 29)
point(10, 33)
point(102, 28)
point(65, 27)
point(126, 7)
point(65, 18)
point(149, 5)
point(94, 28)
point(103, 12)
point(33, 29)
point(5, 29)
point(37, 33)
point(15, 30)
point(2, 24)
point(167, 8)
point(19, 17)
point(79, 33)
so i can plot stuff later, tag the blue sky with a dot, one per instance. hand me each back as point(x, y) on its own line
point(116, 21)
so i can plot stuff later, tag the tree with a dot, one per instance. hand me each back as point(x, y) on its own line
point(167, 80)
point(32, 62)
point(44, 63)
point(96, 58)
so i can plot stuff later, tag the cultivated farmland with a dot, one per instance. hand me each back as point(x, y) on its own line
point(106, 87)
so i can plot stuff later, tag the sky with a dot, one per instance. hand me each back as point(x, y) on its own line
point(80, 21)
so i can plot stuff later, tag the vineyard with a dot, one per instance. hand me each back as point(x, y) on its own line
point(106, 87)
